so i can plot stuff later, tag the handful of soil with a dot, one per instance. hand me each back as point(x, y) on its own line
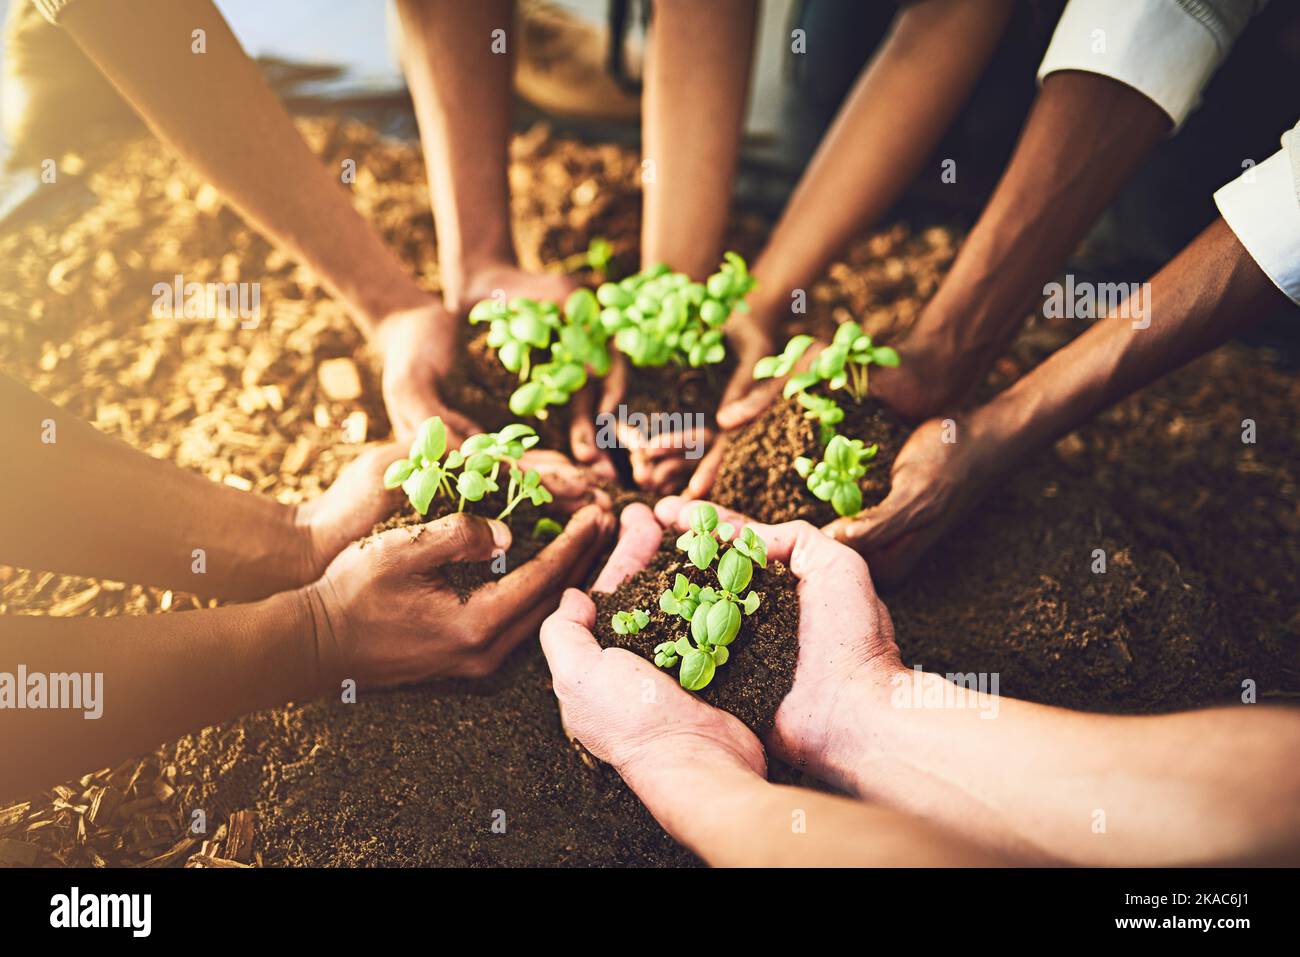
point(465, 577)
point(759, 671)
point(757, 476)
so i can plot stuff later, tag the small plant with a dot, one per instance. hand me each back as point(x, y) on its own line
point(844, 364)
point(714, 614)
point(835, 478)
point(629, 622)
point(825, 412)
point(575, 338)
point(658, 316)
point(425, 473)
point(546, 528)
point(595, 257)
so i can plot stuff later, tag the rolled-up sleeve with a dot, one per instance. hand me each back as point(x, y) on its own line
point(1262, 206)
point(1165, 49)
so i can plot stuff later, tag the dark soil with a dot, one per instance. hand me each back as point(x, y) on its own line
point(760, 670)
point(674, 388)
point(1201, 532)
point(757, 478)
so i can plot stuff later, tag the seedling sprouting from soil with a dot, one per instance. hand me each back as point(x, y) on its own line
point(658, 316)
point(629, 622)
point(425, 473)
point(714, 614)
point(835, 478)
point(595, 257)
point(575, 338)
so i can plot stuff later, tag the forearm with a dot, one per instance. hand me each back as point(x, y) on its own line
point(215, 109)
point(732, 817)
point(1084, 138)
point(79, 502)
point(892, 121)
point(1044, 784)
point(697, 74)
point(461, 88)
point(1210, 292)
point(143, 680)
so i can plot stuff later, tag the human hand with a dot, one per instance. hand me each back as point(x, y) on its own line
point(942, 470)
point(846, 638)
point(419, 348)
point(348, 509)
point(619, 706)
point(384, 614)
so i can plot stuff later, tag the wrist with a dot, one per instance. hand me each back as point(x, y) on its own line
point(291, 647)
point(324, 662)
point(471, 277)
point(857, 736)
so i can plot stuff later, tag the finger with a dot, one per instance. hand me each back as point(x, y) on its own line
point(747, 407)
point(675, 512)
point(639, 538)
point(615, 384)
point(453, 538)
point(669, 476)
point(519, 591)
point(875, 527)
point(526, 626)
point(707, 471)
point(567, 641)
point(582, 436)
point(570, 485)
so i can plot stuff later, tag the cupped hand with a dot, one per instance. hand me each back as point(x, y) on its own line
point(846, 638)
point(619, 706)
point(420, 347)
point(385, 615)
point(941, 471)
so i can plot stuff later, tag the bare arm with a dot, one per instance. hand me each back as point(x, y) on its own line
point(216, 111)
point(697, 73)
point(732, 817)
point(1218, 786)
point(77, 501)
point(1085, 137)
point(896, 114)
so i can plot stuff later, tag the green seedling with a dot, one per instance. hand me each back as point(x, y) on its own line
point(658, 316)
point(835, 478)
point(595, 257)
point(575, 338)
point(701, 541)
point(824, 411)
point(714, 614)
point(629, 622)
point(844, 364)
point(425, 473)
point(546, 528)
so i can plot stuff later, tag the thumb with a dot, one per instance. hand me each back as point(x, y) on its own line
point(738, 411)
point(459, 538)
point(875, 527)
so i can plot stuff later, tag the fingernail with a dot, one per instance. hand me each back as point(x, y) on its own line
point(500, 533)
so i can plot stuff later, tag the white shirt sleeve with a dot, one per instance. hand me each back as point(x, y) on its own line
point(1262, 206)
point(1158, 47)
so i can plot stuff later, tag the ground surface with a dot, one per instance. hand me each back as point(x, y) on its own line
point(1201, 531)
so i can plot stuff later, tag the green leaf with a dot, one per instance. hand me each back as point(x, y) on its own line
point(681, 586)
point(847, 333)
point(516, 430)
point(641, 618)
point(398, 472)
point(581, 308)
point(799, 383)
point(751, 602)
point(528, 399)
point(704, 519)
point(803, 465)
point(723, 623)
point(430, 440)
point(618, 624)
point(847, 499)
point(669, 604)
point(720, 655)
point(885, 356)
point(612, 294)
point(724, 531)
point(735, 571)
point(700, 623)
point(702, 551)
point(697, 670)
point(472, 485)
point(682, 646)
point(422, 486)
point(546, 528)
point(765, 368)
